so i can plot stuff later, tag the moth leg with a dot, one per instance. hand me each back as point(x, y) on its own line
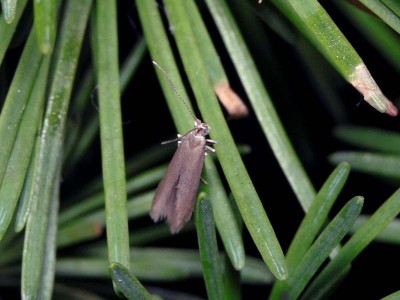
point(208, 149)
point(204, 181)
point(211, 141)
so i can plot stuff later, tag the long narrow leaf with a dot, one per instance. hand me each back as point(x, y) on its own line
point(136, 184)
point(313, 222)
point(370, 138)
point(12, 253)
point(393, 5)
point(90, 225)
point(322, 247)
point(17, 98)
point(49, 262)
point(9, 9)
point(208, 247)
point(22, 150)
point(314, 22)
point(357, 243)
point(224, 218)
point(317, 214)
point(7, 30)
point(385, 165)
point(45, 13)
point(25, 198)
point(375, 31)
point(78, 232)
point(384, 12)
point(128, 283)
point(390, 234)
point(113, 162)
point(50, 151)
point(231, 277)
point(155, 233)
point(130, 65)
point(165, 264)
point(80, 101)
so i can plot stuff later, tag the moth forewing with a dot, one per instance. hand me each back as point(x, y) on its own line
point(176, 194)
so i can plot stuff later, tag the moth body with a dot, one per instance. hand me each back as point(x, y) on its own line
point(176, 194)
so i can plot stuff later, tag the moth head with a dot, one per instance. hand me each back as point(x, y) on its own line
point(201, 128)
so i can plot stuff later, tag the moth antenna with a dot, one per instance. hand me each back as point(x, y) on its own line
point(175, 89)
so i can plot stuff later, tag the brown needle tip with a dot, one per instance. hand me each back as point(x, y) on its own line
point(391, 109)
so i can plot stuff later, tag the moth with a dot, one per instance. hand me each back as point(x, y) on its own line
point(176, 193)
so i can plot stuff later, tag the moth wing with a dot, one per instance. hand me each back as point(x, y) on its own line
point(166, 190)
point(176, 193)
point(186, 193)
